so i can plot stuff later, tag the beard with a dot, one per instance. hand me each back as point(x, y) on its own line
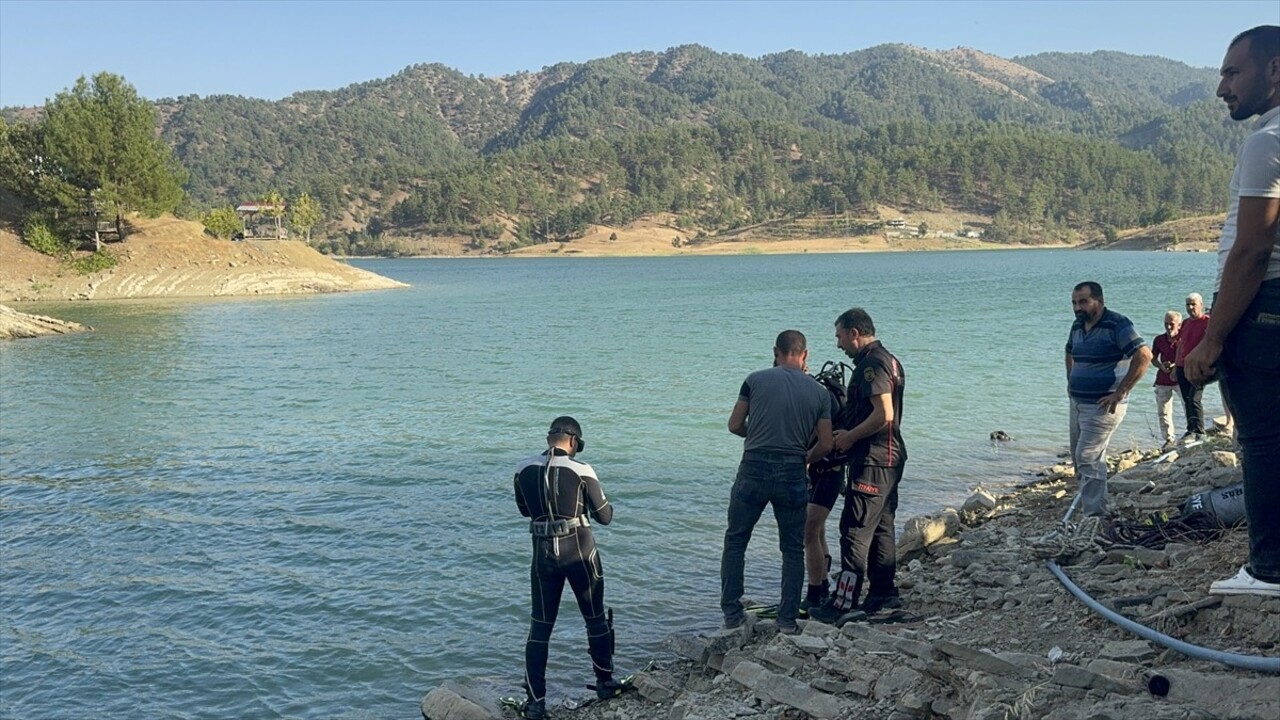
point(1252, 101)
point(1082, 316)
point(1242, 112)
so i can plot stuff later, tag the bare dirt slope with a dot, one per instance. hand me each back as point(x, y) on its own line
point(167, 257)
point(1195, 234)
point(657, 235)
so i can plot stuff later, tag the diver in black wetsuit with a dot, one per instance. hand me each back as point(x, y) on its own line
point(556, 492)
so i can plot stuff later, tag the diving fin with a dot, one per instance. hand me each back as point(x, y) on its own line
point(619, 686)
point(764, 611)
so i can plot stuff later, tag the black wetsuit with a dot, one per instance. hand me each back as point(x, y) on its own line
point(556, 494)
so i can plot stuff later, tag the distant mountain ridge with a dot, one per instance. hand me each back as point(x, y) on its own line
point(366, 147)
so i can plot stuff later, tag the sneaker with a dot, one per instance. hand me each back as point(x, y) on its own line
point(1169, 445)
point(1244, 584)
point(829, 614)
point(735, 623)
point(792, 629)
point(609, 688)
point(535, 710)
point(875, 603)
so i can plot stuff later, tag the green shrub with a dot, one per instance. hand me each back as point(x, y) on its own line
point(223, 222)
point(42, 239)
point(89, 264)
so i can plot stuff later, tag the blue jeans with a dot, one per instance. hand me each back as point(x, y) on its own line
point(1251, 388)
point(1091, 430)
point(763, 479)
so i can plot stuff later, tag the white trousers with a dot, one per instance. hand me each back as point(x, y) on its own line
point(1164, 409)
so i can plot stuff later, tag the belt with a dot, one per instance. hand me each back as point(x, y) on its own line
point(557, 528)
point(771, 455)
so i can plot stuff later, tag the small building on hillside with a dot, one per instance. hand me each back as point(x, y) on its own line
point(263, 220)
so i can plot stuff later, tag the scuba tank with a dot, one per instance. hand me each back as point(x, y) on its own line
point(1225, 506)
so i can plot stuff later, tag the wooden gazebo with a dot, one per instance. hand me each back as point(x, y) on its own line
point(253, 214)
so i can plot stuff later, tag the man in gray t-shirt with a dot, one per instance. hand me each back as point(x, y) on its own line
point(779, 411)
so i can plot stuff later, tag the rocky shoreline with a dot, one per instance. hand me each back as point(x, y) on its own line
point(14, 324)
point(987, 630)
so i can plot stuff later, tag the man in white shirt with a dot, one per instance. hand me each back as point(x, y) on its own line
point(1243, 337)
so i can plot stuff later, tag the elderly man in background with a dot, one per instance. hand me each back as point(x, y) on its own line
point(1164, 351)
point(1189, 336)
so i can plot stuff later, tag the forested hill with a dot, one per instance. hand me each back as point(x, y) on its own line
point(1045, 142)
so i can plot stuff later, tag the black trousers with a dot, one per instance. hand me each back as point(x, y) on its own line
point(1251, 387)
point(1192, 400)
point(867, 544)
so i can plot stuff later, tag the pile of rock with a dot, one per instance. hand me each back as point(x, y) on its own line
point(14, 324)
point(992, 633)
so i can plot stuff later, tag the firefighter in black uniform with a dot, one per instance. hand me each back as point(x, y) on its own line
point(869, 438)
point(557, 492)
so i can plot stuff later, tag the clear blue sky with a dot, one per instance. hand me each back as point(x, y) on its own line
point(272, 49)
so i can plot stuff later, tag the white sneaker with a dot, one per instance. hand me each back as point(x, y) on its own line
point(1244, 584)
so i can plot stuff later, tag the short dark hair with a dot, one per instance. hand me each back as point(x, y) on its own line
point(791, 342)
point(565, 425)
point(1264, 43)
point(1095, 290)
point(856, 319)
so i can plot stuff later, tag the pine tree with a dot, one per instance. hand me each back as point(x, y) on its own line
point(102, 137)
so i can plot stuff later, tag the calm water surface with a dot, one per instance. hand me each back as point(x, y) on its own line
point(302, 507)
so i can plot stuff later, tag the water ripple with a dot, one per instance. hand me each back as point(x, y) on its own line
point(302, 507)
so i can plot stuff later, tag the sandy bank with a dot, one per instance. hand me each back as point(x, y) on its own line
point(168, 257)
point(661, 235)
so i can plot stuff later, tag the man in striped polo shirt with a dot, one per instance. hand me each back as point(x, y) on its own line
point(1098, 384)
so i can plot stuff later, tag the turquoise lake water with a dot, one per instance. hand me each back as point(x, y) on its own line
point(302, 506)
